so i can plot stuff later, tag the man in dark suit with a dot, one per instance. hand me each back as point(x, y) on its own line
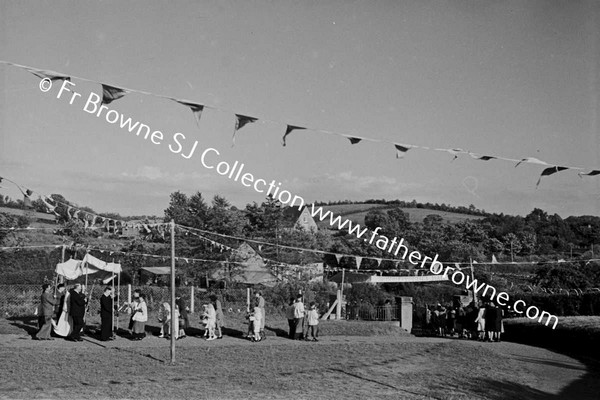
point(47, 309)
point(77, 311)
point(106, 307)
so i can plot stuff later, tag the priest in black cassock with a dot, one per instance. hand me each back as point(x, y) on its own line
point(106, 315)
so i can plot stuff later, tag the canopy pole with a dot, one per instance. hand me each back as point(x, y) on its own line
point(173, 334)
point(112, 309)
point(118, 297)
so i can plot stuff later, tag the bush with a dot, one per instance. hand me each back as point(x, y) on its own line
point(366, 293)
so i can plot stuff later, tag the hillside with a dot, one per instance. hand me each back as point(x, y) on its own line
point(356, 213)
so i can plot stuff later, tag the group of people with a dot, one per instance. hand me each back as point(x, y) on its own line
point(62, 312)
point(481, 321)
point(297, 315)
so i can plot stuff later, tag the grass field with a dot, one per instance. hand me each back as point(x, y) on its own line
point(374, 363)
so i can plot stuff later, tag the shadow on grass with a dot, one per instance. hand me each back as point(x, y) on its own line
point(580, 347)
point(28, 324)
point(501, 390)
point(278, 331)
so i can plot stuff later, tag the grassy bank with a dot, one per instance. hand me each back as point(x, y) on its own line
point(578, 335)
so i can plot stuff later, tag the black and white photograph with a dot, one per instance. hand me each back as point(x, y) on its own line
point(336, 199)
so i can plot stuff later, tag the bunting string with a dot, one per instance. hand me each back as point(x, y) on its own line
point(112, 92)
point(89, 219)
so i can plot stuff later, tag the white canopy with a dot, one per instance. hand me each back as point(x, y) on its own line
point(73, 269)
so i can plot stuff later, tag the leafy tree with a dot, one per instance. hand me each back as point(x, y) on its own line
point(178, 209)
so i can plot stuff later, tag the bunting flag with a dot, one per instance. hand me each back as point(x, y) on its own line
point(454, 152)
point(531, 160)
point(591, 173)
point(550, 171)
point(482, 158)
point(379, 261)
point(240, 122)
point(195, 107)
point(494, 261)
point(43, 74)
point(50, 207)
point(338, 257)
point(401, 149)
point(26, 197)
point(289, 130)
point(358, 261)
point(353, 139)
point(111, 93)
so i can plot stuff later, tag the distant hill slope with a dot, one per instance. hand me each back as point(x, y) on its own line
point(356, 213)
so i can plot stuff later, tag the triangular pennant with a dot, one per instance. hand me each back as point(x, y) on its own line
point(550, 171)
point(379, 261)
point(289, 130)
point(401, 149)
point(50, 207)
point(111, 93)
point(43, 74)
point(240, 122)
point(482, 158)
point(358, 261)
point(591, 173)
point(338, 257)
point(531, 160)
point(353, 139)
point(494, 260)
point(195, 107)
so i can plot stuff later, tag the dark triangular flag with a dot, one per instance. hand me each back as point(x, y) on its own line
point(289, 130)
point(591, 173)
point(111, 93)
point(550, 171)
point(354, 139)
point(401, 150)
point(482, 158)
point(196, 109)
point(240, 122)
point(53, 76)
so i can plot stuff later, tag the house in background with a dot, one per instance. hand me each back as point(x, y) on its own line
point(303, 219)
point(247, 266)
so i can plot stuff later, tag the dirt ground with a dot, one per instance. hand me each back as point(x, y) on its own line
point(384, 366)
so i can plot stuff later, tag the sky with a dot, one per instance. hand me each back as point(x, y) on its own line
point(513, 79)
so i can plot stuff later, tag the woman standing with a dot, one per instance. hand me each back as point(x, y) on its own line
point(212, 321)
point(219, 316)
point(139, 317)
point(480, 320)
point(64, 325)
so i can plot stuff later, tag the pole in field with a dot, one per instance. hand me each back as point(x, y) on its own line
point(172, 291)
